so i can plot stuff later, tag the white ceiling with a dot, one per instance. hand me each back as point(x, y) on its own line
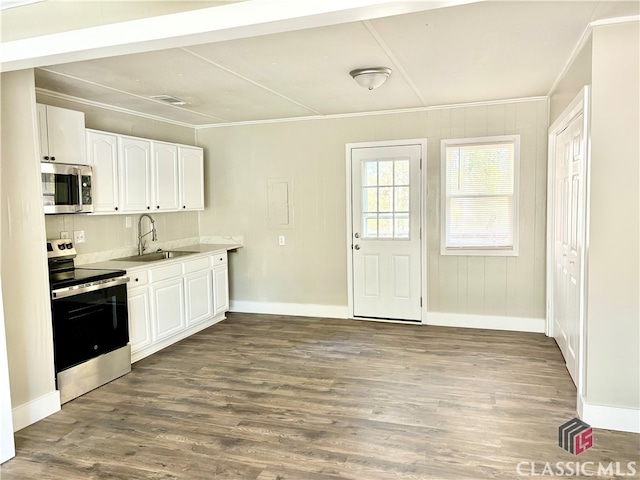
point(469, 53)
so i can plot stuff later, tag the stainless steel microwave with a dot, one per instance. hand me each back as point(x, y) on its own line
point(66, 188)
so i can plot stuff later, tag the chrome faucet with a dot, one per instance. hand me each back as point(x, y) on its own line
point(154, 234)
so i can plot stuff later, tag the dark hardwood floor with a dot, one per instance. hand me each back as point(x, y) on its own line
point(273, 398)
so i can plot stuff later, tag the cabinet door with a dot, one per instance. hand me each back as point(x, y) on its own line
point(42, 132)
point(220, 289)
point(164, 168)
point(168, 307)
point(199, 297)
point(102, 154)
point(134, 162)
point(66, 135)
point(191, 178)
point(139, 319)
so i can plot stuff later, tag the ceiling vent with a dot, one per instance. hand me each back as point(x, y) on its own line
point(169, 99)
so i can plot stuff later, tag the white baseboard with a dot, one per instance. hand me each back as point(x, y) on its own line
point(294, 309)
point(609, 418)
point(489, 322)
point(36, 410)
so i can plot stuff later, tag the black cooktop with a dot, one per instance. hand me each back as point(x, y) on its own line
point(78, 276)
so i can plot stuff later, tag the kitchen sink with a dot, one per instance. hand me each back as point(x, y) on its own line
point(155, 256)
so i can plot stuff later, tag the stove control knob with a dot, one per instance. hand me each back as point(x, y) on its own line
point(61, 246)
point(69, 245)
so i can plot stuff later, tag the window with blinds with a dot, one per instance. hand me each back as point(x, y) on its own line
point(479, 196)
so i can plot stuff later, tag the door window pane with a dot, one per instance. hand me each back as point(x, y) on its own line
point(385, 226)
point(386, 173)
point(370, 174)
point(370, 224)
point(401, 200)
point(370, 199)
point(385, 199)
point(401, 172)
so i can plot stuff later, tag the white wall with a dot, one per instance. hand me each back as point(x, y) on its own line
point(613, 298)
point(577, 76)
point(25, 285)
point(311, 268)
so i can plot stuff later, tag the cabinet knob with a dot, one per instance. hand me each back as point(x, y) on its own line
point(184, 206)
point(136, 279)
point(148, 208)
point(53, 159)
point(157, 206)
point(116, 208)
point(46, 157)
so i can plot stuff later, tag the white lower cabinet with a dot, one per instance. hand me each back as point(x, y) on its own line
point(199, 297)
point(220, 274)
point(139, 318)
point(174, 300)
point(168, 307)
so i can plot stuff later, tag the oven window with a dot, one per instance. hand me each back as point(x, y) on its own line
point(88, 325)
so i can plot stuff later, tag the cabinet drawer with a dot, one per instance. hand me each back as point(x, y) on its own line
point(195, 265)
point(218, 259)
point(138, 279)
point(163, 273)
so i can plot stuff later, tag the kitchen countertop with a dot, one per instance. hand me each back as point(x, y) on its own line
point(200, 248)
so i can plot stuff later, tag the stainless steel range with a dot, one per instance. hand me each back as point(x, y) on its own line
point(90, 322)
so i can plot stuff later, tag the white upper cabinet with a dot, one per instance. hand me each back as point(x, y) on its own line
point(134, 170)
point(136, 175)
point(164, 174)
point(62, 135)
point(102, 155)
point(191, 178)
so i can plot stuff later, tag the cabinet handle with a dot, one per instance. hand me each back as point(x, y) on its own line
point(46, 158)
point(53, 159)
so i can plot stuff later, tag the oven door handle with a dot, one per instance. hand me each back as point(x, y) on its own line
point(91, 287)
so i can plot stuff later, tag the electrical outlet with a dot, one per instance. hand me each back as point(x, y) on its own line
point(78, 236)
point(64, 235)
point(281, 240)
point(127, 222)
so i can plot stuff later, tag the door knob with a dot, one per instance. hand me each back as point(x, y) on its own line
point(357, 247)
point(357, 235)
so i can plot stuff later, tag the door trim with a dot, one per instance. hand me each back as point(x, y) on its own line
point(580, 104)
point(422, 143)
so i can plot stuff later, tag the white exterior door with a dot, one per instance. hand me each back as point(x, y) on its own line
point(385, 238)
point(569, 199)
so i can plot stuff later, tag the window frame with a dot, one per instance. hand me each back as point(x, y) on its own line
point(480, 250)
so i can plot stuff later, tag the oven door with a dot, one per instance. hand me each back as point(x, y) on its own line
point(89, 324)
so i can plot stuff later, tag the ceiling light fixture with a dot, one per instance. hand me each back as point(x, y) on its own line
point(371, 77)
point(169, 99)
